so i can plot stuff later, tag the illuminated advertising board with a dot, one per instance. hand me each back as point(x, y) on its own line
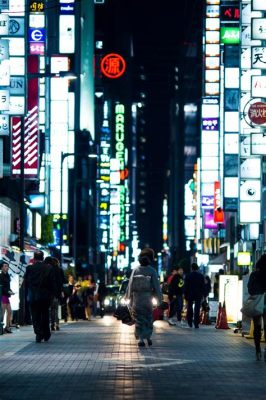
point(258, 5)
point(230, 35)
point(258, 57)
point(120, 155)
point(250, 190)
point(67, 34)
point(113, 66)
point(258, 28)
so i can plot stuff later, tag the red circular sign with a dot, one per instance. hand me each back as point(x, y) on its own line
point(257, 113)
point(113, 65)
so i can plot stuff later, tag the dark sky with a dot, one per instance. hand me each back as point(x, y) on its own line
point(160, 32)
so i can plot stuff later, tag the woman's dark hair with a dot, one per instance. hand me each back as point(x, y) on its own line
point(146, 257)
point(52, 261)
point(261, 269)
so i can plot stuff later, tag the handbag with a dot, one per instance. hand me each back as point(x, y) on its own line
point(122, 313)
point(253, 306)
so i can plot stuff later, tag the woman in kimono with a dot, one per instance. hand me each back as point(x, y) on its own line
point(142, 287)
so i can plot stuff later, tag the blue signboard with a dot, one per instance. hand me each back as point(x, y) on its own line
point(36, 35)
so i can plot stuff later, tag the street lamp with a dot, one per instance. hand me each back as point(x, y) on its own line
point(63, 157)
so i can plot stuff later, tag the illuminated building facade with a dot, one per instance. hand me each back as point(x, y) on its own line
point(231, 210)
point(48, 83)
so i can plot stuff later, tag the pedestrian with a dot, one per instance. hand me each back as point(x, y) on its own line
point(175, 294)
point(143, 286)
point(40, 281)
point(208, 287)
point(101, 297)
point(6, 293)
point(69, 292)
point(88, 287)
point(59, 281)
point(257, 285)
point(194, 292)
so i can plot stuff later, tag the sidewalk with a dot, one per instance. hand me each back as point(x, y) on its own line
point(99, 359)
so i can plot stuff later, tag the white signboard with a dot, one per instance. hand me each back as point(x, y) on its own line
point(258, 86)
point(245, 58)
point(16, 105)
point(231, 143)
point(258, 144)
point(246, 37)
point(250, 212)
point(4, 100)
point(3, 24)
point(4, 125)
point(258, 5)
point(258, 57)
point(228, 293)
point(250, 190)
point(67, 34)
point(245, 146)
point(250, 168)
point(4, 49)
point(258, 28)
point(5, 73)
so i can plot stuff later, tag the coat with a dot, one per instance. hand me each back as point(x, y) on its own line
point(142, 287)
point(194, 286)
point(41, 282)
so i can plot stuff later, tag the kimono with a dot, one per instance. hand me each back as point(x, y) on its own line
point(142, 287)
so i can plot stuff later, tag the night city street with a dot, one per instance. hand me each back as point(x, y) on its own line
point(132, 199)
point(99, 360)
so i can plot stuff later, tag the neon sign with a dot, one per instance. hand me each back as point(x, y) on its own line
point(113, 66)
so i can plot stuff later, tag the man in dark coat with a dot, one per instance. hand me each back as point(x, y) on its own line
point(41, 286)
point(194, 292)
point(175, 294)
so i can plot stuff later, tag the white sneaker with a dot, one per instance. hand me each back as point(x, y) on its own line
point(171, 322)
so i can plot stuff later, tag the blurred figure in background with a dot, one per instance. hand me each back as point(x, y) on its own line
point(40, 280)
point(59, 281)
point(194, 293)
point(175, 294)
point(257, 285)
point(6, 293)
point(142, 287)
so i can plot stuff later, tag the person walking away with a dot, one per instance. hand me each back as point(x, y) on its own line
point(101, 297)
point(59, 280)
point(194, 292)
point(40, 281)
point(6, 293)
point(208, 287)
point(175, 294)
point(69, 291)
point(257, 285)
point(142, 287)
point(88, 286)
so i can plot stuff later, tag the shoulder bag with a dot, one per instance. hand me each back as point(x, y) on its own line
point(253, 306)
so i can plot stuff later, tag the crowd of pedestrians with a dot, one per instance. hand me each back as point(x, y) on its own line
point(47, 288)
point(186, 295)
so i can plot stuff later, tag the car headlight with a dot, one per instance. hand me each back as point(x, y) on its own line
point(154, 302)
point(106, 302)
point(124, 301)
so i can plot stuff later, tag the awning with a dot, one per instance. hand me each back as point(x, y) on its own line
point(218, 260)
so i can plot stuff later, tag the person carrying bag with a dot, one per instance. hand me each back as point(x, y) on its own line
point(255, 306)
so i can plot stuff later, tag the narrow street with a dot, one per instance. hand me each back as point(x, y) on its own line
point(100, 360)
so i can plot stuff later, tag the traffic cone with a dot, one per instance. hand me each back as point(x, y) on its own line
point(222, 324)
point(218, 317)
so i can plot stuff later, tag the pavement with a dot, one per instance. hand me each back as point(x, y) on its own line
point(100, 360)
